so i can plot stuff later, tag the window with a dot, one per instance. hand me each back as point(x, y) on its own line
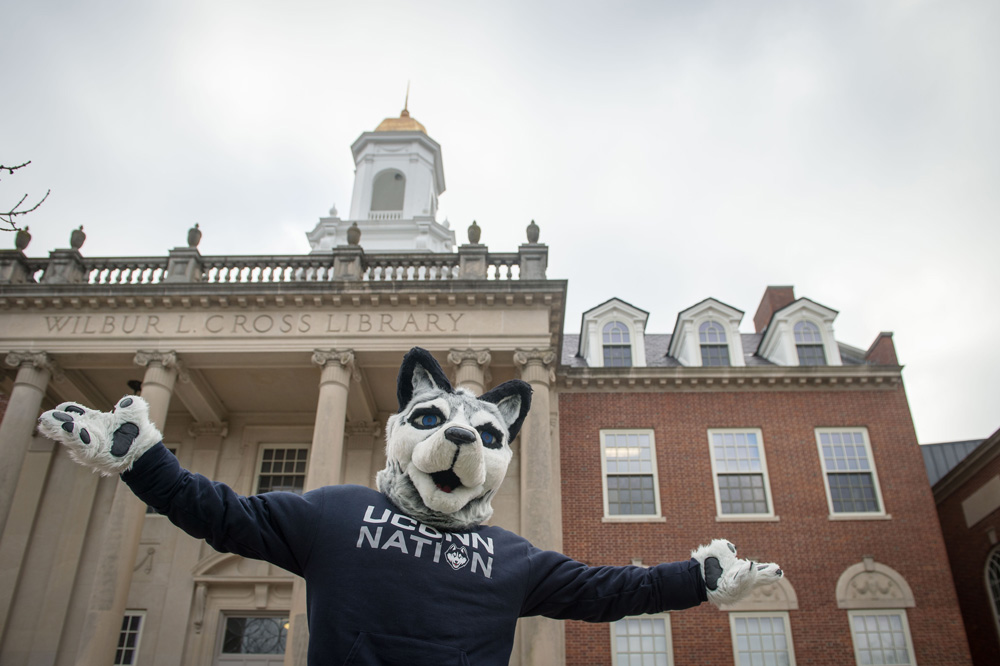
point(387, 190)
point(282, 468)
point(642, 641)
point(809, 344)
point(761, 639)
point(740, 471)
point(629, 465)
point(851, 482)
point(255, 635)
point(881, 637)
point(993, 585)
point(617, 346)
point(128, 639)
point(714, 350)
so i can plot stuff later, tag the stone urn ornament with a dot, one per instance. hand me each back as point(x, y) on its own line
point(194, 236)
point(532, 232)
point(22, 239)
point(353, 234)
point(76, 238)
point(475, 232)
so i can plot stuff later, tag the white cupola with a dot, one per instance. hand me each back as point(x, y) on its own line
point(397, 180)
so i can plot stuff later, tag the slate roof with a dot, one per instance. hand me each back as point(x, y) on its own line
point(658, 343)
point(939, 459)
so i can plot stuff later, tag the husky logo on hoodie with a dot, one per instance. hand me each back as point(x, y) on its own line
point(457, 556)
point(447, 450)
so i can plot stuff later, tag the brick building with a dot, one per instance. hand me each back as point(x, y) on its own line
point(799, 449)
point(966, 487)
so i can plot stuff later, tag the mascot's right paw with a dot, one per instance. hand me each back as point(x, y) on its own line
point(728, 578)
point(108, 443)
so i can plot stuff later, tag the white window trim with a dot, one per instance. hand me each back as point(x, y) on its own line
point(733, 615)
point(658, 517)
point(685, 343)
point(778, 343)
point(989, 590)
point(742, 517)
point(670, 642)
point(592, 333)
point(272, 446)
point(138, 635)
point(881, 514)
point(851, 614)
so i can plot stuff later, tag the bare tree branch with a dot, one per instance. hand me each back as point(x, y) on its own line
point(7, 222)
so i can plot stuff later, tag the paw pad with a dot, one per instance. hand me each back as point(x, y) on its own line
point(123, 438)
point(74, 409)
point(68, 426)
point(125, 403)
point(59, 416)
point(84, 436)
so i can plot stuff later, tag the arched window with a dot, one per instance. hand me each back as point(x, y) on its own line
point(617, 346)
point(993, 584)
point(387, 190)
point(809, 344)
point(714, 350)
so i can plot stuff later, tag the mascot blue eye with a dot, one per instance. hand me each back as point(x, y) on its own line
point(492, 439)
point(430, 420)
point(487, 438)
point(427, 418)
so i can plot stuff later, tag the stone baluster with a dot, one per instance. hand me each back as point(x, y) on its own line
point(34, 370)
point(542, 639)
point(326, 467)
point(120, 544)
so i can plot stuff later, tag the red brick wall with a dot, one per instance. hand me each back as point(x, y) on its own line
point(968, 549)
point(813, 550)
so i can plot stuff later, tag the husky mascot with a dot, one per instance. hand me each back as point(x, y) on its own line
point(407, 575)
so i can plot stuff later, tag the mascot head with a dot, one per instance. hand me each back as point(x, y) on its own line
point(447, 451)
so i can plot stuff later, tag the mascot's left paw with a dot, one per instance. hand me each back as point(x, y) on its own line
point(728, 578)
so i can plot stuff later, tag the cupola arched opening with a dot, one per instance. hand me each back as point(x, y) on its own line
point(388, 189)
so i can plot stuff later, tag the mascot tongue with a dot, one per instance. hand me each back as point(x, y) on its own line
point(446, 480)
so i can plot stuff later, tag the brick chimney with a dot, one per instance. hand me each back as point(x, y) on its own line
point(882, 351)
point(774, 299)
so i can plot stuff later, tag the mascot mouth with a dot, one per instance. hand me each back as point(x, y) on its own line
point(446, 480)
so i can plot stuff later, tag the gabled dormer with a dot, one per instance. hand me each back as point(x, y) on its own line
point(708, 334)
point(798, 331)
point(611, 335)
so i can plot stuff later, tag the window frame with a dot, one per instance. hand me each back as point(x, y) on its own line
point(623, 330)
point(141, 614)
point(633, 517)
point(734, 615)
point(724, 345)
point(223, 658)
point(273, 446)
point(665, 616)
point(907, 637)
point(881, 514)
point(770, 516)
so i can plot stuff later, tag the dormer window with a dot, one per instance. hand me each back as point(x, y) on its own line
point(707, 335)
point(714, 349)
point(617, 346)
point(611, 335)
point(809, 344)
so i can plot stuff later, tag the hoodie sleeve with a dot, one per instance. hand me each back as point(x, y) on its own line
point(565, 589)
point(277, 527)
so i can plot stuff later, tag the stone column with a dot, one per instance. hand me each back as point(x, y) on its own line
point(109, 594)
point(363, 437)
point(471, 368)
point(326, 467)
point(34, 370)
point(542, 639)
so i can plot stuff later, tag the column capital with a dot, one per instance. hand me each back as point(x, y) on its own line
point(458, 357)
point(165, 359)
point(536, 365)
point(342, 357)
point(37, 360)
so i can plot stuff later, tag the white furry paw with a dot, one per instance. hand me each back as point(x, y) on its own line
point(108, 443)
point(728, 578)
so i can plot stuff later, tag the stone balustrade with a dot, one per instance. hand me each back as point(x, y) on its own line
point(345, 263)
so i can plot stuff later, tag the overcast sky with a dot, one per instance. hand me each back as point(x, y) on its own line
point(669, 151)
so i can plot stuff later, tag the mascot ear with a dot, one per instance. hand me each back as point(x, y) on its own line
point(420, 372)
point(513, 399)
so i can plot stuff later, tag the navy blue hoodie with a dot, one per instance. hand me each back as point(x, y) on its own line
point(385, 589)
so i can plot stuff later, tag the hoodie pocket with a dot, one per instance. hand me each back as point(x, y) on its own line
point(382, 650)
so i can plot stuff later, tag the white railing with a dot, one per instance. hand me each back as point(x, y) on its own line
point(384, 215)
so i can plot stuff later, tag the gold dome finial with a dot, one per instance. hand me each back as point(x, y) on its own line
point(404, 123)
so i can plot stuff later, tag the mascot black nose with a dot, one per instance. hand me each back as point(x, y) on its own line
point(457, 435)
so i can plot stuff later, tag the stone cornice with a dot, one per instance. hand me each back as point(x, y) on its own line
point(768, 378)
